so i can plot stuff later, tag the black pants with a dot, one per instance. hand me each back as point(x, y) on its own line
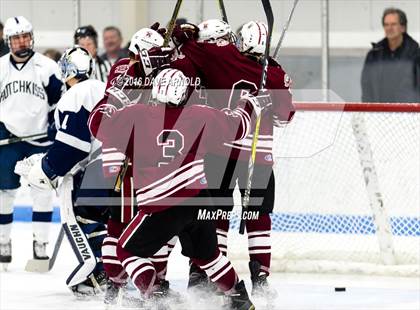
point(197, 237)
point(222, 175)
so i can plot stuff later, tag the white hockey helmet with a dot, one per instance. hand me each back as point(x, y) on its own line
point(213, 29)
point(253, 37)
point(76, 63)
point(145, 38)
point(16, 26)
point(170, 86)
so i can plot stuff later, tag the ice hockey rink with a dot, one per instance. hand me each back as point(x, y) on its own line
point(323, 209)
point(20, 290)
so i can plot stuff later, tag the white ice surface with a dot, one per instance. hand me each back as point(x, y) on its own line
point(30, 291)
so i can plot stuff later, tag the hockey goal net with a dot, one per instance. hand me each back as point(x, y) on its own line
point(347, 191)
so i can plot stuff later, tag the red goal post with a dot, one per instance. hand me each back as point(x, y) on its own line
point(357, 106)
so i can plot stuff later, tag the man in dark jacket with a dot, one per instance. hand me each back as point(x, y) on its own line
point(391, 72)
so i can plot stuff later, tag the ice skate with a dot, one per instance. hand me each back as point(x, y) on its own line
point(94, 285)
point(40, 250)
point(260, 286)
point(238, 299)
point(5, 254)
point(174, 296)
point(198, 281)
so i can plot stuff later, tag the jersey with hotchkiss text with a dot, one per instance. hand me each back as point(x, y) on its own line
point(28, 93)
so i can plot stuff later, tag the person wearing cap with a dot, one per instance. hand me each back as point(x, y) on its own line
point(87, 37)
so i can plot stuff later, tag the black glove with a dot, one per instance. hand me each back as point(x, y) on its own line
point(161, 31)
point(155, 58)
point(184, 33)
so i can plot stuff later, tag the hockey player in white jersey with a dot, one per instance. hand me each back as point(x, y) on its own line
point(74, 155)
point(30, 86)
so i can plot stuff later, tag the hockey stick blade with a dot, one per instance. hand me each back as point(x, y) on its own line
point(45, 265)
point(245, 202)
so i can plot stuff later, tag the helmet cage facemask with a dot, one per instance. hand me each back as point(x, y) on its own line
point(24, 52)
point(69, 70)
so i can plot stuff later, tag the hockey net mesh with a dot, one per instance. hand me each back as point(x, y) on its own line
point(322, 220)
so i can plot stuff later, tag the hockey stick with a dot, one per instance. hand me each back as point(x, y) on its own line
point(22, 139)
point(285, 27)
point(223, 11)
point(245, 202)
point(38, 265)
point(171, 25)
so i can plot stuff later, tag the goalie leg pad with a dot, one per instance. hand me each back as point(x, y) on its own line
point(6, 213)
point(95, 233)
point(75, 235)
point(84, 254)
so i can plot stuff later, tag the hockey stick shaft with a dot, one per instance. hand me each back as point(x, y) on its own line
point(171, 25)
point(285, 27)
point(245, 202)
point(56, 248)
point(22, 139)
point(223, 11)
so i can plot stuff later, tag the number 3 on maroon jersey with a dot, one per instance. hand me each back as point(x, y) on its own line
point(239, 89)
point(172, 143)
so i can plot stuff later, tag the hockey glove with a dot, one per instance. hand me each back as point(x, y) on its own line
point(161, 31)
point(155, 58)
point(184, 33)
point(32, 168)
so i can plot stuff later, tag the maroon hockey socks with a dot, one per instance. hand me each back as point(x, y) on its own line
point(259, 243)
point(219, 270)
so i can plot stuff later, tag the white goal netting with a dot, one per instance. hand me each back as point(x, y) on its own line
point(332, 214)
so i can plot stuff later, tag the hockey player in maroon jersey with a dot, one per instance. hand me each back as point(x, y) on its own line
point(129, 81)
point(169, 144)
point(227, 70)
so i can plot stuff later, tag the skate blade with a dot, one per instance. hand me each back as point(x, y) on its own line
point(38, 265)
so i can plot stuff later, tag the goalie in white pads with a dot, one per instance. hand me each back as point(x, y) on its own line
point(75, 155)
point(30, 86)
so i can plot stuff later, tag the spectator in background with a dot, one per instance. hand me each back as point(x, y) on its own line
point(4, 49)
point(112, 43)
point(87, 37)
point(391, 72)
point(52, 54)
